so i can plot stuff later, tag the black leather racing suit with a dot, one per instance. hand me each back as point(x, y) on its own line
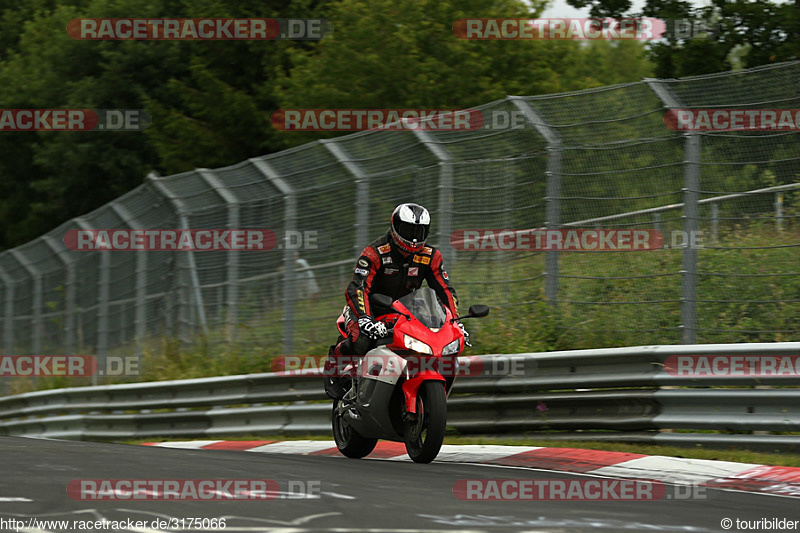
point(382, 269)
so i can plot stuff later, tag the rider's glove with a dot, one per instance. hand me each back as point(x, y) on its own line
point(465, 332)
point(371, 328)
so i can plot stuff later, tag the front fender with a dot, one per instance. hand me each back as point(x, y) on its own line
point(411, 386)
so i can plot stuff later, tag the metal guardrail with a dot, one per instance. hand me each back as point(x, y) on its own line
point(619, 394)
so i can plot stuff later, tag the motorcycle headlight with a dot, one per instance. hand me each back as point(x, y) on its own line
point(416, 345)
point(451, 348)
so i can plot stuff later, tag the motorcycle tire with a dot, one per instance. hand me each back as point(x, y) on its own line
point(424, 437)
point(349, 442)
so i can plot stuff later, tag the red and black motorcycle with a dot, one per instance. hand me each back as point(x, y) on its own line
point(398, 391)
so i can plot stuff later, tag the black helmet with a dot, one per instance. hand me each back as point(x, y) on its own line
point(411, 224)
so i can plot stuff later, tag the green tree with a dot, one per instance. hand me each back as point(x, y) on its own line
point(206, 99)
point(404, 54)
point(750, 33)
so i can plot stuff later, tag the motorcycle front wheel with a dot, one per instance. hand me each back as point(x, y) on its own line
point(424, 437)
point(348, 440)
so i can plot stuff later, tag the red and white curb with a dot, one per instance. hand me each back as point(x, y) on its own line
point(765, 479)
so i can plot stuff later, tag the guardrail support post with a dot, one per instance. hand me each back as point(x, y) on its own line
point(553, 194)
point(290, 226)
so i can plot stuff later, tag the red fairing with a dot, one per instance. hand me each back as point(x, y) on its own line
point(437, 342)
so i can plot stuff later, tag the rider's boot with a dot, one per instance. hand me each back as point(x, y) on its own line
point(334, 386)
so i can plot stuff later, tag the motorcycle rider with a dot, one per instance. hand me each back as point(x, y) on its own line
point(395, 265)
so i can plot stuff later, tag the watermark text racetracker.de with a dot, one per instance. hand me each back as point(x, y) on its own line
point(67, 366)
point(398, 119)
point(196, 240)
point(639, 29)
point(193, 489)
point(564, 240)
point(733, 119)
point(74, 119)
point(387, 366)
point(197, 29)
point(732, 365)
point(576, 490)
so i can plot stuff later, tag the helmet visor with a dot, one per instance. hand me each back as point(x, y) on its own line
point(412, 232)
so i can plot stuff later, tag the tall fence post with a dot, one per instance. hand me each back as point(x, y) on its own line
point(715, 222)
point(290, 226)
point(104, 279)
point(362, 193)
point(70, 282)
point(36, 303)
point(553, 189)
point(691, 217)
point(8, 312)
point(232, 257)
point(102, 310)
point(446, 199)
point(8, 322)
point(140, 269)
point(182, 211)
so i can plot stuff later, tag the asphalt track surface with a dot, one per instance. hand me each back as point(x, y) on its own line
point(353, 495)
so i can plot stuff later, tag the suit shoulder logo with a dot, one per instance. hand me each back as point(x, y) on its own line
point(427, 250)
point(363, 263)
point(385, 249)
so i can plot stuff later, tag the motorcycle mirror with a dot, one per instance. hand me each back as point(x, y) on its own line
point(382, 300)
point(478, 311)
point(475, 311)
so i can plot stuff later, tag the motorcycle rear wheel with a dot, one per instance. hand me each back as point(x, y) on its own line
point(424, 437)
point(348, 440)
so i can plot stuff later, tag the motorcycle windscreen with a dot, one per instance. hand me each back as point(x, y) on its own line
point(425, 306)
